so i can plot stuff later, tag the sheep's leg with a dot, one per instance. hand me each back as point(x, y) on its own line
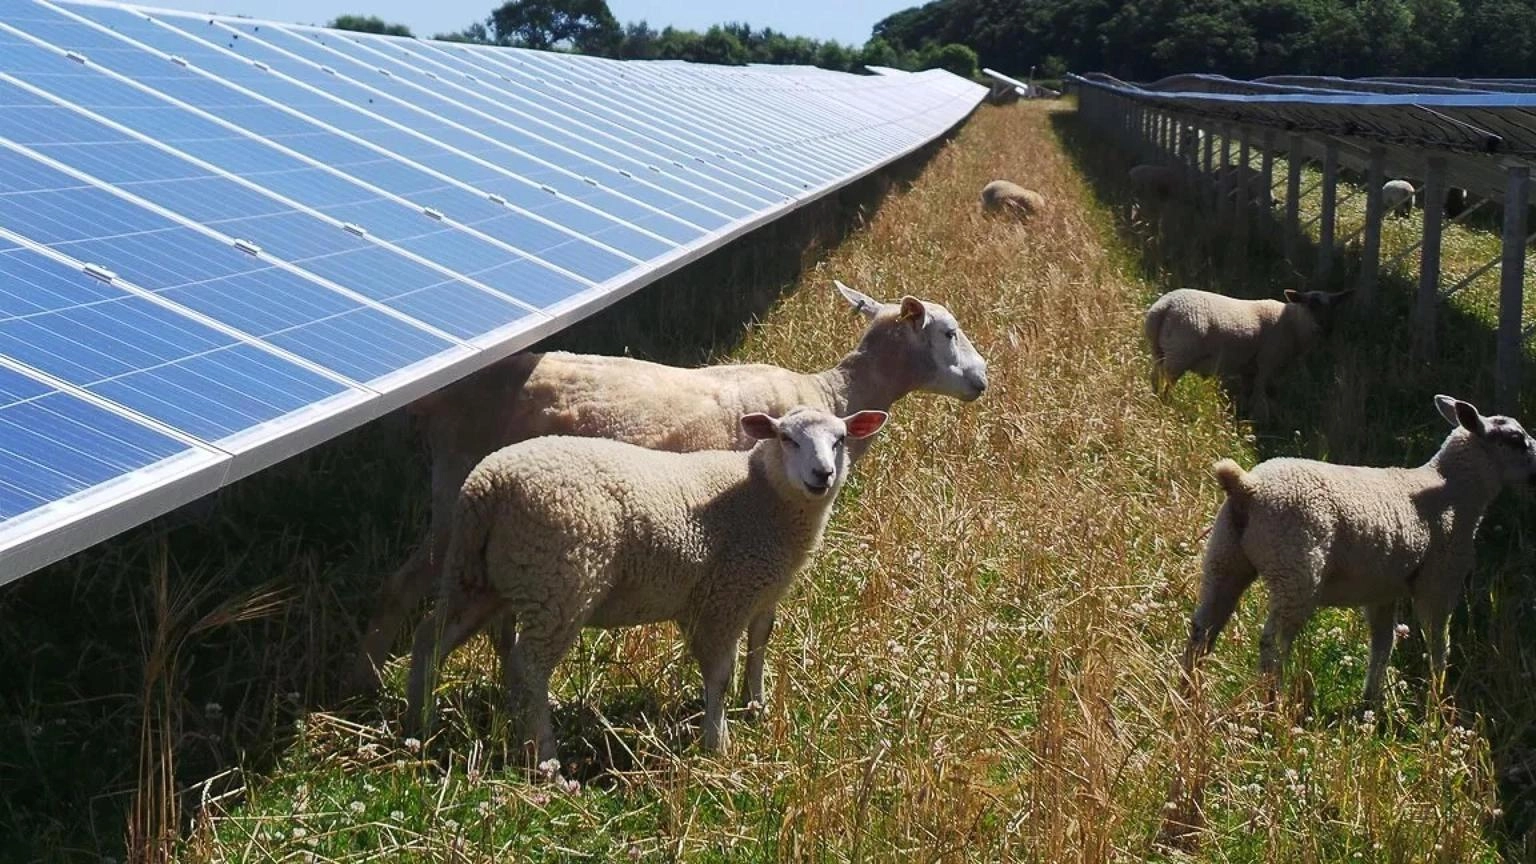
point(1434, 616)
point(1381, 620)
point(458, 617)
point(713, 643)
point(401, 592)
point(757, 648)
point(539, 647)
point(1227, 574)
point(511, 659)
point(1288, 612)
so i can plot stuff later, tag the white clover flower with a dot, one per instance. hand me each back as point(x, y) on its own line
point(213, 710)
point(397, 815)
point(412, 744)
point(1401, 631)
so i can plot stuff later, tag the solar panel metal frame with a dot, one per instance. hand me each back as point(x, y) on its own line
point(890, 131)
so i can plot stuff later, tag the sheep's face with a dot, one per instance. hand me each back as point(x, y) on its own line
point(1320, 303)
point(812, 445)
point(1505, 441)
point(938, 356)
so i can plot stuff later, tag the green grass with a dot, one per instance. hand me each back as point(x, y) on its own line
point(979, 665)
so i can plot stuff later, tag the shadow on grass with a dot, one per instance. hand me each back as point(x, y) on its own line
point(1361, 398)
point(191, 646)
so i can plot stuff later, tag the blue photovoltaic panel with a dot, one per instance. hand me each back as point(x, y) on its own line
point(222, 240)
point(143, 356)
point(54, 445)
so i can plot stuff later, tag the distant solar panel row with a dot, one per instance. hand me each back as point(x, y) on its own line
point(223, 241)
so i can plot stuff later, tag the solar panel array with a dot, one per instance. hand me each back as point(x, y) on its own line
point(223, 241)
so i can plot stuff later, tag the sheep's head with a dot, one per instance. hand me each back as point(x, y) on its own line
point(1320, 303)
point(813, 448)
point(1502, 438)
point(937, 355)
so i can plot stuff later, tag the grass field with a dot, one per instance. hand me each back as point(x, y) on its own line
point(979, 665)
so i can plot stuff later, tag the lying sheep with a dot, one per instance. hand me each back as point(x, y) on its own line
point(1397, 197)
point(556, 534)
point(907, 347)
point(1212, 334)
point(1338, 535)
point(1000, 196)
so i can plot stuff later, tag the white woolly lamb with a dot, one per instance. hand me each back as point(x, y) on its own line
point(1000, 195)
point(1212, 334)
point(1339, 535)
point(907, 347)
point(560, 533)
point(1397, 197)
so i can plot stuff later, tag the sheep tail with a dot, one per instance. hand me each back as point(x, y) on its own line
point(1152, 327)
point(1234, 480)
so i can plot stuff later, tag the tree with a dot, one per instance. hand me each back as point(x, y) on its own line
point(547, 24)
point(953, 57)
point(475, 33)
point(368, 24)
point(639, 43)
point(878, 52)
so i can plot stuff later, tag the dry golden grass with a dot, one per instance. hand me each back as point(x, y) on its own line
point(979, 665)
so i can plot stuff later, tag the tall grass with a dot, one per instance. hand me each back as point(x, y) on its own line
point(979, 663)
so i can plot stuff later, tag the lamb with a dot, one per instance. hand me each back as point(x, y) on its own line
point(1338, 535)
point(559, 533)
point(1000, 195)
point(1397, 197)
point(1212, 334)
point(907, 346)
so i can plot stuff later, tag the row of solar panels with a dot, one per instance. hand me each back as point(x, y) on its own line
point(1483, 117)
point(223, 241)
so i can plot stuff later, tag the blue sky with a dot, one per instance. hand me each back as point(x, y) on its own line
point(843, 20)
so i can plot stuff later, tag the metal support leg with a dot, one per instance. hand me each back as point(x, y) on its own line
point(1266, 199)
point(1209, 157)
point(1244, 197)
point(1429, 259)
point(1224, 177)
point(1506, 381)
point(1370, 254)
point(1329, 214)
point(1293, 159)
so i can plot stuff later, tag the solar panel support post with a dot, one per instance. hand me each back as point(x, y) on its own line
point(1225, 177)
point(1293, 159)
point(1329, 214)
point(1244, 186)
point(1429, 259)
point(1370, 253)
point(1266, 199)
point(1209, 142)
point(1506, 379)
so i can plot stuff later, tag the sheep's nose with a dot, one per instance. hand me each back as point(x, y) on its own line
point(821, 475)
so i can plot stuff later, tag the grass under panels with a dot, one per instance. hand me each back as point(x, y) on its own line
point(976, 667)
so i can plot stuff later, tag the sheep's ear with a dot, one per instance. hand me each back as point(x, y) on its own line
point(1459, 413)
point(1292, 296)
point(1339, 296)
point(913, 312)
point(760, 426)
point(863, 303)
point(865, 423)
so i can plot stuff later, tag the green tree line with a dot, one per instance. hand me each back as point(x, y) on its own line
point(588, 27)
point(1148, 39)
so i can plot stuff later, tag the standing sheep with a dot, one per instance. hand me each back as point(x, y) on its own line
point(1212, 334)
point(559, 533)
point(1340, 535)
point(1397, 197)
point(907, 347)
point(1000, 195)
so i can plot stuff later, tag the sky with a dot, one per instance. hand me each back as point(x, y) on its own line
point(843, 20)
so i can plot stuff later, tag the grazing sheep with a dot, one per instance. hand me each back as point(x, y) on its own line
point(1340, 535)
point(1152, 186)
point(907, 347)
point(559, 533)
point(1000, 195)
point(1212, 334)
point(1397, 197)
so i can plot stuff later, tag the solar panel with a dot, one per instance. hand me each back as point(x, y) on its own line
point(223, 241)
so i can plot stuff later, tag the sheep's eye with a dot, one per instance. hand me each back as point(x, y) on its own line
point(788, 440)
point(952, 334)
point(840, 440)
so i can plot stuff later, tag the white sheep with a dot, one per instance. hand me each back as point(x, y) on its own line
point(1341, 535)
point(560, 533)
point(1397, 197)
point(907, 347)
point(1212, 334)
point(1000, 195)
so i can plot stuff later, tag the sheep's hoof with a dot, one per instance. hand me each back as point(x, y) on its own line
point(752, 710)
